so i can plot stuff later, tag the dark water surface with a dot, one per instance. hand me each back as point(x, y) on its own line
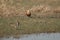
point(41, 36)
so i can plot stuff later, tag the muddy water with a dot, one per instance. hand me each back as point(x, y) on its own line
point(41, 36)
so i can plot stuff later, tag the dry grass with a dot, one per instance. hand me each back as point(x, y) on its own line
point(7, 10)
point(45, 16)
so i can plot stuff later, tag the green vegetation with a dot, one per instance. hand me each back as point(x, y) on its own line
point(13, 21)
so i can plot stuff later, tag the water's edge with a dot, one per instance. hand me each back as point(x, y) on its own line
point(41, 36)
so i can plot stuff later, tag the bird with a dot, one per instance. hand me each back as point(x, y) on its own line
point(28, 13)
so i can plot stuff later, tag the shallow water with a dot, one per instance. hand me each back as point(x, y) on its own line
point(41, 36)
